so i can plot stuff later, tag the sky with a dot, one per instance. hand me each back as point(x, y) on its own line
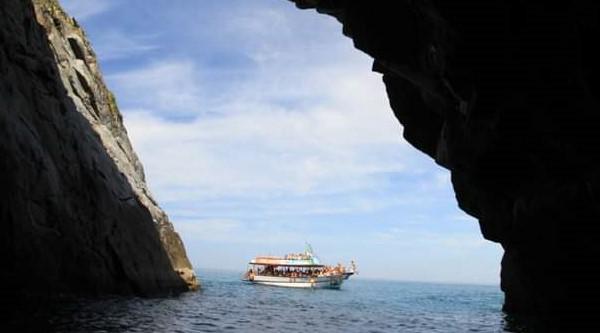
point(261, 128)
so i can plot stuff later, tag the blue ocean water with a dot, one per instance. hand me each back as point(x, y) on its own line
point(226, 304)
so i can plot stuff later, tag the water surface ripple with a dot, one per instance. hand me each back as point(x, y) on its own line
point(225, 304)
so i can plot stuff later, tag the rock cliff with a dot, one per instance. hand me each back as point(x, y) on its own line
point(76, 214)
point(505, 95)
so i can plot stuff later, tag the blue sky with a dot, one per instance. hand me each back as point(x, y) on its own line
point(260, 127)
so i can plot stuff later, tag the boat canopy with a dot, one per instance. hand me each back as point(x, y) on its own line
point(305, 261)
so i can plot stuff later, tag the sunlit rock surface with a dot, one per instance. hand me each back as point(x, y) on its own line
point(505, 95)
point(76, 214)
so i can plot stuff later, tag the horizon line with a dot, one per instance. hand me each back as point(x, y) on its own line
point(198, 270)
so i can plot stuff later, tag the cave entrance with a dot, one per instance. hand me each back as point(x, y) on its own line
point(262, 128)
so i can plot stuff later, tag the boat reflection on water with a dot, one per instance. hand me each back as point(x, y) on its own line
point(301, 270)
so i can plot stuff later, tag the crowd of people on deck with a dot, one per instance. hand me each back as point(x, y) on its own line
point(298, 272)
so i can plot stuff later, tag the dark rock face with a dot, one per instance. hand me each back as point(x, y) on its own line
point(81, 77)
point(75, 214)
point(505, 95)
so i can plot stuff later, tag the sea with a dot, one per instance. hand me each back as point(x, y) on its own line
point(227, 304)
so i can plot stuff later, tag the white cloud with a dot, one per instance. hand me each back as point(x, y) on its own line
point(163, 87)
point(258, 153)
point(234, 231)
point(85, 9)
point(449, 241)
point(209, 229)
point(114, 45)
point(287, 131)
point(254, 147)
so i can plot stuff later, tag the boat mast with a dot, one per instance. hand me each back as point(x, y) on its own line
point(308, 249)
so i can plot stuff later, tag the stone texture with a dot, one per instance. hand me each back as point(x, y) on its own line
point(76, 214)
point(81, 76)
point(505, 95)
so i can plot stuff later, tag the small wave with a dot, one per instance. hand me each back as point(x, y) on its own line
point(225, 304)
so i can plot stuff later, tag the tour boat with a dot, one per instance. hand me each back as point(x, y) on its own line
point(302, 270)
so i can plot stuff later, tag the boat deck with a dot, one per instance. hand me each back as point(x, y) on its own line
point(321, 282)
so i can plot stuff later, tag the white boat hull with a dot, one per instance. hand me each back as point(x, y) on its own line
point(321, 282)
